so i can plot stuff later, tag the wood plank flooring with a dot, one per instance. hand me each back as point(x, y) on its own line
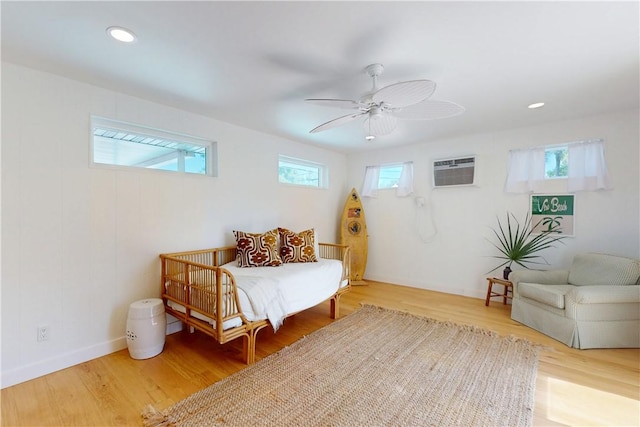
point(574, 387)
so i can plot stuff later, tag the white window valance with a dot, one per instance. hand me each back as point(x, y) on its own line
point(372, 177)
point(370, 186)
point(587, 169)
point(525, 171)
point(405, 185)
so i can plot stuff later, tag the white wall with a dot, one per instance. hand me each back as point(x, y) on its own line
point(403, 248)
point(81, 243)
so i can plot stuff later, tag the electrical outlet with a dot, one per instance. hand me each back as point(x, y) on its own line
point(43, 333)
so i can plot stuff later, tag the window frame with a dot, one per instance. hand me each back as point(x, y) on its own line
point(210, 147)
point(323, 171)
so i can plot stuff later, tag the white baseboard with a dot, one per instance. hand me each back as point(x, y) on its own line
point(428, 286)
point(63, 361)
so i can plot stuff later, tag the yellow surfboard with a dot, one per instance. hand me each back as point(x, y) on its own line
point(353, 232)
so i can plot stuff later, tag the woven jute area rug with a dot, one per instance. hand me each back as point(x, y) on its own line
point(374, 367)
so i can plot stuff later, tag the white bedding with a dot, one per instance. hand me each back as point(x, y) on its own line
point(275, 292)
point(263, 297)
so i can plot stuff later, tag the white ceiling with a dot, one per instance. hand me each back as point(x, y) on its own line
point(253, 63)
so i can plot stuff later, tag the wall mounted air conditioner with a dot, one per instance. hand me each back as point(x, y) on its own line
point(454, 172)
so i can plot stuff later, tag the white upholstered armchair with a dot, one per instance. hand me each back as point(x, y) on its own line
point(594, 304)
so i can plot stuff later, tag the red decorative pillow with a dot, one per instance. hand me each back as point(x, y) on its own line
point(297, 247)
point(257, 250)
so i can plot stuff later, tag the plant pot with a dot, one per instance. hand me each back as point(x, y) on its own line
point(505, 273)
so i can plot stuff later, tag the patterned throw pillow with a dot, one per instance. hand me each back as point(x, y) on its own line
point(257, 250)
point(297, 247)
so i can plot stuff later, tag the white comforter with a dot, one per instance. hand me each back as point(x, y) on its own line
point(275, 292)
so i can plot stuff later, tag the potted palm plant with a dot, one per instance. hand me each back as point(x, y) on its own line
point(517, 243)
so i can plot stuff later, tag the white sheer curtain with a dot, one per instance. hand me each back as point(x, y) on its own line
point(587, 167)
point(526, 170)
point(370, 186)
point(372, 175)
point(405, 185)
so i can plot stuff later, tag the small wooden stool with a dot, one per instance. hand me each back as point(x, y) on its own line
point(508, 289)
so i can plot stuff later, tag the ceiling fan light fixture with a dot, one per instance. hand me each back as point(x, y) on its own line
point(375, 113)
point(380, 124)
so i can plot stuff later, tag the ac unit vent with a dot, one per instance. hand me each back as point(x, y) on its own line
point(451, 172)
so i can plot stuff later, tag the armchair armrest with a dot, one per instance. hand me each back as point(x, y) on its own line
point(543, 277)
point(604, 294)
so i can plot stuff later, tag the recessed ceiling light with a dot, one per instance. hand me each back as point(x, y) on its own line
point(121, 34)
point(536, 105)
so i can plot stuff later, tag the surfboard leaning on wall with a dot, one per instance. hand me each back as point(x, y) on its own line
point(353, 232)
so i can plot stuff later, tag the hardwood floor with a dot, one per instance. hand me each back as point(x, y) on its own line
point(574, 387)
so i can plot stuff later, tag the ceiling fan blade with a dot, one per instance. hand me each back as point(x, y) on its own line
point(337, 103)
point(381, 124)
point(402, 94)
point(430, 110)
point(337, 122)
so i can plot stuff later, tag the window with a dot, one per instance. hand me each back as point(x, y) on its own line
point(122, 144)
point(398, 176)
point(301, 172)
point(582, 163)
point(556, 162)
point(389, 176)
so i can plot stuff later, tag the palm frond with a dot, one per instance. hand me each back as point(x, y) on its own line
point(517, 243)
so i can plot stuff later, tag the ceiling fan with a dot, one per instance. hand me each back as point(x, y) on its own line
point(381, 108)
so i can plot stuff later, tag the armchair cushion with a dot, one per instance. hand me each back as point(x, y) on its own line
point(552, 295)
point(600, 269)
point(543, 277)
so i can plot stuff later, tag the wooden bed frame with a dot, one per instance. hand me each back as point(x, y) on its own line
point(216, 288)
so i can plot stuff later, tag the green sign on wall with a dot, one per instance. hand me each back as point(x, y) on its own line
point(553, 212)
